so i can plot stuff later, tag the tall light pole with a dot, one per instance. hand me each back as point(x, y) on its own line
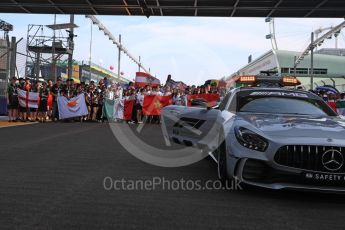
point(90, 57)
point(71, 47)
point(53, 53)
point(312, 62)
point(119, 58)
point(272, 34)
point(294, 67)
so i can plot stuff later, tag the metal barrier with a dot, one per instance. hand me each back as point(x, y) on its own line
point(3, 86)
point(3, 101)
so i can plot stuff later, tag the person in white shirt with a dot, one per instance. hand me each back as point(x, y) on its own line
point(119, 92)
point(167, 91)
point(139, 104)
point(148, 90)
point(159, 92)
point(156, 91)
point(111, 91)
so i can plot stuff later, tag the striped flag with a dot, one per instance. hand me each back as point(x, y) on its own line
point(144, 79)
point(28, 99)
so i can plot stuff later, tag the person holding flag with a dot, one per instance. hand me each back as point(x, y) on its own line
point(43, 107)
point(12, 100)
point(92, 99)
point(22, 109)
point(56, 91)
point(35, 88)
point(27, 88)
point(50, 98)
point(139, 104)
point(28, 101)
point(153, 105)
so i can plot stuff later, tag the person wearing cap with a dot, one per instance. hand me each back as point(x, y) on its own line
point(43, 108)
point(12, 100)
point(56, 92)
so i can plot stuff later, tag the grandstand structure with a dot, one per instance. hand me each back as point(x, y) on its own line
point(329, 67)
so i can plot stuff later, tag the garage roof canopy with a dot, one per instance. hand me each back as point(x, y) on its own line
point(217, 8)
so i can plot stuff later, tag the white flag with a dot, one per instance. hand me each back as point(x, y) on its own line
point(74, 107)
point(118, 108)
point(28, 99)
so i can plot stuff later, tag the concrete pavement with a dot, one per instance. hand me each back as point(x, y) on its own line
point(52, 178)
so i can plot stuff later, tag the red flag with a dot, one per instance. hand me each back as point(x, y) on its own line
point(128, 109)
point(144, 79)
point(153, 104)
point(333, 106)
point(210, 98)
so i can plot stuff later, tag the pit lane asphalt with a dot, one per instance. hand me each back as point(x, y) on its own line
point(51, 177)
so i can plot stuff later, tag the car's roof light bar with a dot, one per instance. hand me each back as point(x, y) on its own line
point(266, 80)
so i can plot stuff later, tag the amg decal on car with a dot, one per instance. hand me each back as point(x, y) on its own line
point(282, 94)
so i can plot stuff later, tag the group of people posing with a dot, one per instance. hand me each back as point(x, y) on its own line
point(95, 94)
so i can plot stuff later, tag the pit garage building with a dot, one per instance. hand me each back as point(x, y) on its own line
point(329, 67)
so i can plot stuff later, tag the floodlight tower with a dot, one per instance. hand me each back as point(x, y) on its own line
point(6, 27)
point(272, 37)
point(272, 34)
point(6, 58)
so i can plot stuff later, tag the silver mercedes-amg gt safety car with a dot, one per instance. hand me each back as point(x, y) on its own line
point(267, 136)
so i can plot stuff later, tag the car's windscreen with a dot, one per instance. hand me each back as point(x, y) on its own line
point(279, 105)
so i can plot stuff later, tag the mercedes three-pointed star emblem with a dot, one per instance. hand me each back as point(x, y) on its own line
point(332, 160)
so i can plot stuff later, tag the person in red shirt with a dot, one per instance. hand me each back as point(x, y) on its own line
point(331, 102)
